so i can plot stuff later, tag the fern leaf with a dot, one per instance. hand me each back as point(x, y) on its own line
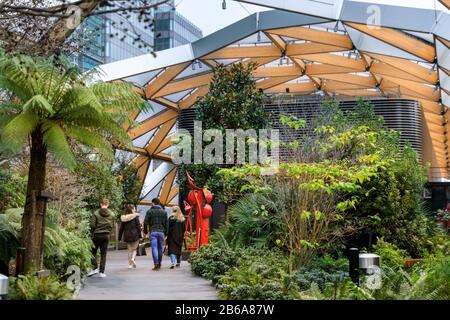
point(90, 139)
point(16, 132)
point(38, 104)
point(56, 142)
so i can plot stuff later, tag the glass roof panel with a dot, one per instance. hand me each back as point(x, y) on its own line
point(142, 79)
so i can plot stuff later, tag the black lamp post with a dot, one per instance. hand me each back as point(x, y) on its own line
point(353, 258)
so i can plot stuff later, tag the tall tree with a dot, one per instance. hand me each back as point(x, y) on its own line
point(233, 102)
point(43, 27)
point(52, 109)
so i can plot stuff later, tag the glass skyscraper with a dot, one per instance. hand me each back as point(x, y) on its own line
point(172, 30)
point(115, 36)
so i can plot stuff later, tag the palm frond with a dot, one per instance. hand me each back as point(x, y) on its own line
point(56, 142)
point(8, 110)
point(118, 97)
point(38, 104)
point(18, 76)
point(59, 100)
point(90, 139)
point(105, 124)
point(75, 98)
point(17, 131)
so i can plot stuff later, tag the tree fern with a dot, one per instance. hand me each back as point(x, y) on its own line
point(56, 142)
point(90, 138)
point(54, 108)
point(38, 104)
point(44, 92)
point(16, 132)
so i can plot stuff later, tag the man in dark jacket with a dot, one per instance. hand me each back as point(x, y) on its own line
point(155, 223)
point(101, 224)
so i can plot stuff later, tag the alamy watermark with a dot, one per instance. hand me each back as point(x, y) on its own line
point(374, 19)
point(74, 280)
point(229, 146)
point(373, 281)
point(73, 19)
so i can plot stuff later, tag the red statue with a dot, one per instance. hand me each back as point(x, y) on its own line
point(202, 214)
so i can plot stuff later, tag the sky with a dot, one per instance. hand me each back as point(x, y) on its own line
point(210, 17)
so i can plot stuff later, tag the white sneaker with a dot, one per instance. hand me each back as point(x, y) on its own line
point(130, 266)
point(133, 264)
point(92, 272)
point(102, 275)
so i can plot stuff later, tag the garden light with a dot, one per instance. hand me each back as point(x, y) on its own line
point(3, 287)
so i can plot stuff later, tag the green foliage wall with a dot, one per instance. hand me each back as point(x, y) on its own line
point(62, 247)
point(103, 184)
point(12, 190)
point(128, 177)
point(376, 185)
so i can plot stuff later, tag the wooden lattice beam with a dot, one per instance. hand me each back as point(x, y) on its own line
point(299, 88)
point(165, 77)
point(398, 39)
point(185, 84)
point(418, 72)
point(318, 69)
point(159, 137)
point(193, 98)
point(320, 36)
point(335, 60)
point(277, 40)
point(152, 123)
point(245, 52)
point(277, 72)
point(272, 82)
point(312, 48)
point(167, 186)
point(364, 82)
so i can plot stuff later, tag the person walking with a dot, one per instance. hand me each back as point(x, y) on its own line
point(130, 231)
point(101, 224)
point(155, 223)
point(177, 226)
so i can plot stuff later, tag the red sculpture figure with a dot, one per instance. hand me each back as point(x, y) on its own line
point(202, 214)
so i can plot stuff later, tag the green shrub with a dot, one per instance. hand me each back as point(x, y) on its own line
point(259, 282)
point(62, 248)
point(394, 202)
point(390, 254)
point(425, 281)
point(260, 275)
point(31, 287)
point(437, 244)
point(253, 221)
point(9, 235)
point(245, 273)
point(102, 184)
point(12, 190)
point(323, 271)
point(212, 261)
point(434, 283)
point(342, 290)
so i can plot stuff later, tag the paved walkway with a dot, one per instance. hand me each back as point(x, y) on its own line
point(142, 283)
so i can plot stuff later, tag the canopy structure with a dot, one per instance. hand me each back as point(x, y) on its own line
point(327, 47)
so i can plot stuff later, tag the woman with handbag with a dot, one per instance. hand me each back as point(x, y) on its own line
point(130, 231)
point(141, 246)
point(175, 236)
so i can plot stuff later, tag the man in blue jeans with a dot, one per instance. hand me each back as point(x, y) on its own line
point(155, 222)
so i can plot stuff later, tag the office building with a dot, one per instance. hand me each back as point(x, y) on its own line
point(173, 30)
point(114, 36)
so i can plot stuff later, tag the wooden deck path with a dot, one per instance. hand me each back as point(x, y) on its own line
point(142, 283)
